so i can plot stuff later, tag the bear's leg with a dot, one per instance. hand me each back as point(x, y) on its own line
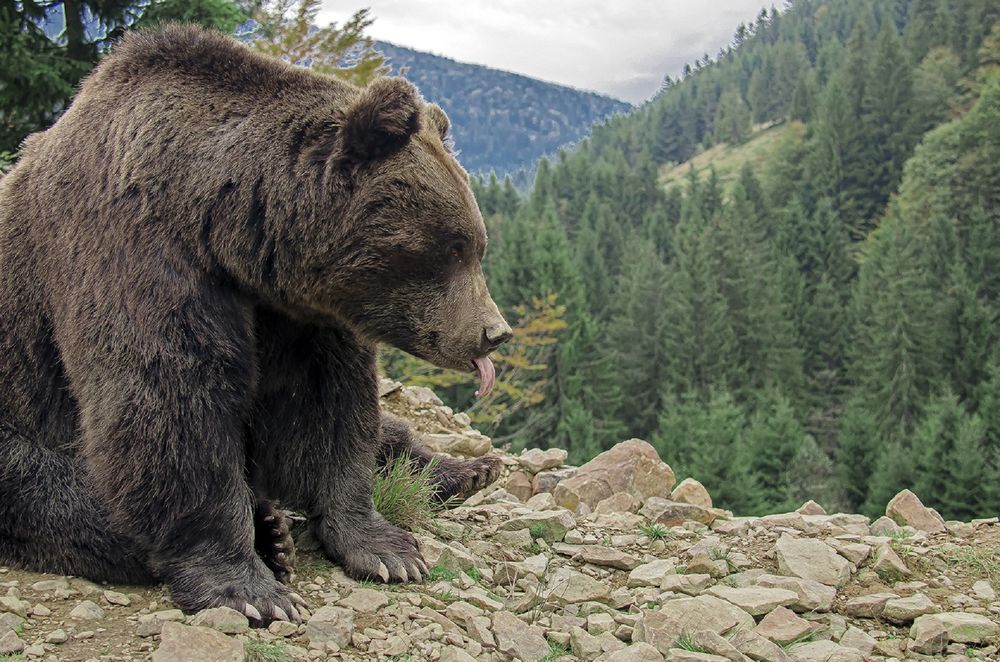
point(453, 477)
point(50, 520)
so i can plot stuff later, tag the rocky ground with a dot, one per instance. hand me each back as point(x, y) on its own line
point(609, 561)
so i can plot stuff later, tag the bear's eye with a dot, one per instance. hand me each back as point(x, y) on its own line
point(456, 250)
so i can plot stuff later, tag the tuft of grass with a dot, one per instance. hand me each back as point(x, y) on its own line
point(556, 652)
point(686, 642)
point(404, 495)
point(16, 657)
point(654, 531)
point(439, 573)
point(259, 651)
point(981, 561)
point(475, 574)
point(537, 531)
point(804, 639)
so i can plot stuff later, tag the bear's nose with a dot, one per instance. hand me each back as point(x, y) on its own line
point(495, 335)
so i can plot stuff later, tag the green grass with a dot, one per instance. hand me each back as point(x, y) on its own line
point(982, 561)
point(654, 531)
point(17, 657)
point(475, 574)
point(537, 531)
point(556, 652)
point(405, 495)
point(728, 159)
point(258, 651)
point(686, 642)
point(440, 573)
point(308, 564)
point(804, 639)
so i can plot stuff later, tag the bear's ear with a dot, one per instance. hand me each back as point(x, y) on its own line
point(381, 120)
point(438, 119)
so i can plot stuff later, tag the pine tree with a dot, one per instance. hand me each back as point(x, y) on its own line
point(774, 439)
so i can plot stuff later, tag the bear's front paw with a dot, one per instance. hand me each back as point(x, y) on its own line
point(254, 593)
point(462, 478)
point(378, 550)
point(273, 541)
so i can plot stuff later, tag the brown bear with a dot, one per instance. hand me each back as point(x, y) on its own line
point(197, 263)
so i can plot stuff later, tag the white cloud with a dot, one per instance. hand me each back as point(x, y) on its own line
point(621, 48)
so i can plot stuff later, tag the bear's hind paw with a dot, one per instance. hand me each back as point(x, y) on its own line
point(273, 541)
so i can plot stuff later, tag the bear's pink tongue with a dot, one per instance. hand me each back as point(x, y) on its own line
point(487, 375)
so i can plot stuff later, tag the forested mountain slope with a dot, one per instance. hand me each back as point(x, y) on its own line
point(820, 321)
point(501, 121)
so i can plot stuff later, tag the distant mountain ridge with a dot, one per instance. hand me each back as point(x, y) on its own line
point(501, 121)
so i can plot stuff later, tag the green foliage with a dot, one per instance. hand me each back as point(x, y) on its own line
point(223, 15)
point(654, 531)
point(441, 573)
point(404, 494)
point(260, 651)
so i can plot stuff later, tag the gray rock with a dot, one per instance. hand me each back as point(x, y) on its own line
point(983, 590)
point(811, 559)
point(567, 586)
point(186, 643)
point(468, 443)
point(10, 643)
point(632, 466)
point(675, 513)
point(904, 610)
point(662, 627)
point(650, 574)
point(9, 621)
point(535, 460)
point(600, 555)
point(13, 605)
point(551, 525)
point(50, 585)
point(783, 627)
point(223, 619)
point(116, 598)
point(812, 595)
point(516, 638)
point(930, 630)
point(640, 652)
point(282, 628)
point(907, 510)
point(56, 637)
point(87, 611)
point(694, 584)
point(331, 624)
point(365, 600)
point(824, 651)
point(867, 606)
point(859, 640)
point(755, 600)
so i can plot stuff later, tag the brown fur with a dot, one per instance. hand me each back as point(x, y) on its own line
point(196, 264)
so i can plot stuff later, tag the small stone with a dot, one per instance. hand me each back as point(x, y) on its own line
point(50, 585)
point(810, 508)
point(150, 624)
point(932, 632)
point(452, 556)
point(888, 565)
point(983, 590)
point(455, 654)
point(331, 624)
point(87, 611)
point(480, 630)
point(640, 652)
point(516, 638)
point(756, 647)
point(691, 491)
point(703, 564)
point(35, 650)
point(601, 555)
point(223, 619)
point(811, 559)
point(567, 586)
point(783, 627)
point(692, 584)
point(906, 509)
point(551, 525)
point(181, 643)
point(620, 502)
point(365, 600)
point(859, 640)
point(868, 606)
point(650, 574)
point(535, 460)
point(600, 623)
point(683, 655)
point(116, 598)
point(904, 610)
point(675, 513)
point(824, 651)
point(662, 627)
point(467, 444)
point(40, 610)
point(10, 643)
point(546, 481)
point(56, 637)
point(519, 484)
point(812, 595)
point(13, 605)
point(884, 526)
point(756, 600)
point(282, 628)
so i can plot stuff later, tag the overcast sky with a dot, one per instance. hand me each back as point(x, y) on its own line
point(621, 48)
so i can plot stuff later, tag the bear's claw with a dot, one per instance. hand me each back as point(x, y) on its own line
point(463, 478)
point(379, 550)
point(273, 541)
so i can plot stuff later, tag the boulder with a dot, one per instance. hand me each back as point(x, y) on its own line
point(183, 643)
point(519, 484)
point(906, 509)
point(631, 466)
point(811, 559)
point(621, 502)
point(691, 491)
point(932, 632)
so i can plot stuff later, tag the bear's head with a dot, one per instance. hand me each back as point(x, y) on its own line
point(410, 266)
